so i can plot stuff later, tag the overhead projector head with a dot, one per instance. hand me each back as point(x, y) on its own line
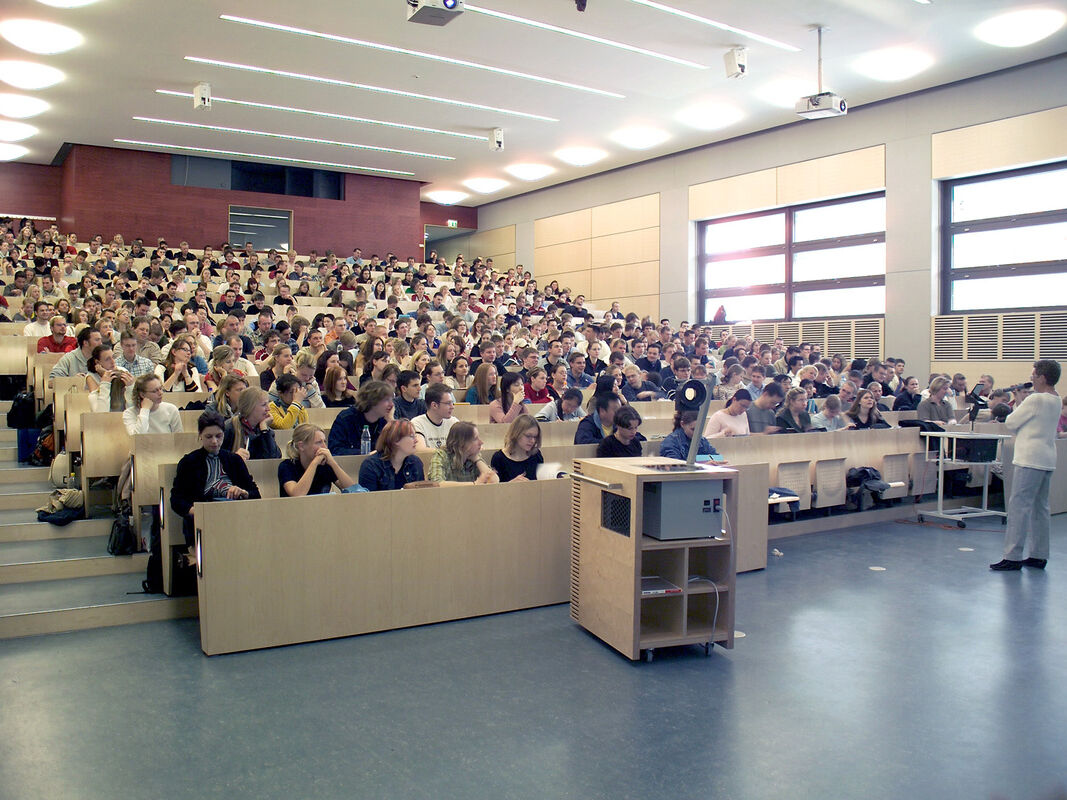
point(824, 104)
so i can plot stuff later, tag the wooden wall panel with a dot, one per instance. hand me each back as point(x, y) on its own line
point(627, 215)
point(30, 189)
point(493, 242)
point(833, 176)
point(734, 195)
point(626, 280)
point(563, 228)
point(566, 257)
point(641, 305)
point(577, 282)
point(1003, 144)
point(503, 261)
point(632, 247)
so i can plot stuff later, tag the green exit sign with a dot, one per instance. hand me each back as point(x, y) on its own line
point(453, 223)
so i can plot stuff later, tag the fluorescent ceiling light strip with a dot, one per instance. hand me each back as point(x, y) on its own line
point(328, 115)
point(257, 224)
point(586, 36)
point(292, 138)
point(722, 26)
point(263, 156)
point(388, 48)
point(264, 216)
point(366, 87)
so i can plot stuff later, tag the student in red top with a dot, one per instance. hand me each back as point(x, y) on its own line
point(536, 388)
point(58, 342)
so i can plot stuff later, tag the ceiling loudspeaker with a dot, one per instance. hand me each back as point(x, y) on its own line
point(691, 396)
point(736, 62)
point(202, 96)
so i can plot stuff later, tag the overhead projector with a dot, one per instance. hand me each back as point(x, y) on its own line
point(434, 12)
point(824, 104)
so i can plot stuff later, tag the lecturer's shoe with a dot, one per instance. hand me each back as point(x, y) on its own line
point(1036, 563)
point(1005, 566)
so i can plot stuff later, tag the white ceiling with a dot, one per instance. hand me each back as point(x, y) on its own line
point(134, 48)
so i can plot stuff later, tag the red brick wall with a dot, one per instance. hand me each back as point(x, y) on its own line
point(30, 189)
point(106, 190)
point(433, 214)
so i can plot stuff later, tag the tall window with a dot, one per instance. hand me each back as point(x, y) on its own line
point(1004, 240)
point(816, 260)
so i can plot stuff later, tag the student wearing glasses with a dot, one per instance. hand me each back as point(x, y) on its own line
point(393, 464)
point(177, 371)
point(521, 455)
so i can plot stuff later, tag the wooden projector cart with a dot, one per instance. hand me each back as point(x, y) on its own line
point(637, 592)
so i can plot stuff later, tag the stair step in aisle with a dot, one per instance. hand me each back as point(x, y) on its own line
point(21, 525)
point(56, 559)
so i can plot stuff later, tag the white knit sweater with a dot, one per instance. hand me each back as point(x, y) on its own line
point(1034, 424)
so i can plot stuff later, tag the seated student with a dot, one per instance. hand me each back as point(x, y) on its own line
point(908, 398)
point(595, 426)
point(177, 370)
point(794, 415)
point(288, 410)
point(936, 408)
point(335, 388)
point(458, 461)
point(762, 414)
point(520, 456)
point(875, 388)
point(624, 440)
point(431, 428)
point(148, 413)
point(675, 375)
point(393, 464)
point(406, 404)
point(567, 407)
point(732, 420)
point(864, 413)
point(275, 365)
point(248, 431)
point(535, 390)
point(483, 389)
point(577, 377)
point(209, 473)
point(373, 409)
point(634, 388)
point(110, 388)
point(847, 393)
point(310, 468)
point(511, 402)
point(830, 418)
point(731, 383)
point(677, 442)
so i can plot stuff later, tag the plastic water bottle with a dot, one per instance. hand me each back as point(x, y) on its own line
point(364, 442)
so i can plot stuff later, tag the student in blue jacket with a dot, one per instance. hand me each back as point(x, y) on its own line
point(594, 427)
point(677, 443)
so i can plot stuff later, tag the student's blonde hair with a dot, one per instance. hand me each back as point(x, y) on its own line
point(302, 434)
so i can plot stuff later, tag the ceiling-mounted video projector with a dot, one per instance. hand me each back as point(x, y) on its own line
point(823, 104)
point(434, 12)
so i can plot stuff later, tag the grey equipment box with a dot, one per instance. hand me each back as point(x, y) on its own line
point(682, 509)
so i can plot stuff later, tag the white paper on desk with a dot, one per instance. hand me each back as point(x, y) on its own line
point(549, 471)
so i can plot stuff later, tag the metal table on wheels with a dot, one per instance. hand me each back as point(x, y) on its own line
point(963, 449)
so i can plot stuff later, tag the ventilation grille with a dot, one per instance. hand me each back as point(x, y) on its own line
point(867, 338)
point(983, 338)
point(576, 540)
point(814, 333)
point(764, 331)
point(861, 338)
point(838, 337)
point(1053, 336)
point(948, 338)
point(789, 331)
point(1018, 337)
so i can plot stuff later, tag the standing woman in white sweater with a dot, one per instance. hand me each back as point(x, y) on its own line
point(149, 414)
point(1034, 424)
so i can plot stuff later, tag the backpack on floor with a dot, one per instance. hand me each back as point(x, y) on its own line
point(23, 411)
point(123, 539)
point(45, 450)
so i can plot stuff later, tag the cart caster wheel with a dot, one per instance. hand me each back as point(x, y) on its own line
point(961, 524)
point(708, 647)
point(1003, 520)
point(922, 519)
point(648, 655)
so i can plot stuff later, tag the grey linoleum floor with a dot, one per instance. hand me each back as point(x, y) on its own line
point(932, 679)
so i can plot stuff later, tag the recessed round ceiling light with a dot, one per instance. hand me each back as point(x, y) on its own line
point(15, 131)
point(529, 172)
point(640, 137)
point(9, 152)
point(893, 63)
point(67, 3)
point(20, 106)
point(581, 156)
point(485, 185)
point(784, 92)
point(710, 116)
point(1020, 28)
point(27, 75)
point(446, 197)
point(38, 36)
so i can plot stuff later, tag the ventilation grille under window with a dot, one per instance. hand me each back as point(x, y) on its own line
point(983, 337)
point(1019, 336)
point(948, 339)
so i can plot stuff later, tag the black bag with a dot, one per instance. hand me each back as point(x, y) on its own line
point(123, 539)
point(45, 450)
point(23, 411)
point(62, 516)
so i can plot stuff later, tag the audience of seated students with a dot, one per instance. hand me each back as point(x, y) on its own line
point(484, 388)
point(406, 404)
point(908, 398)
point(762, 412)
point(209, 473)
point(568, 407)
point(732, 420)
point(625, 439)
point(596, 425)
point(830, 418)
point(310, 468)
point(248, 431)
point(535, 390)
point(459, 460)
point(864, 413)
point(110, 389)
point(372, 410)
point(511, 399)
point(936, 408)
point(520, 456)
point(147, 412)
point(793, 416)
point(393, 464)
point(677, 443)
